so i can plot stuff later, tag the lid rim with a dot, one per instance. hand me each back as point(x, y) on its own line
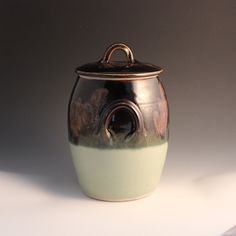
point(119, 75)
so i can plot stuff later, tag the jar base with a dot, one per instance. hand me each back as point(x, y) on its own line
point(117, 200)
point(118, 174)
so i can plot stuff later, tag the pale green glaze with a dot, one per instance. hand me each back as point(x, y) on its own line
point(118, 174)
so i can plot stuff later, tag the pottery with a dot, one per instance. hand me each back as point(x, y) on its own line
point(118, 120)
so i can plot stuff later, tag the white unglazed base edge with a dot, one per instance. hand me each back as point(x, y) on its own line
point(118, 200)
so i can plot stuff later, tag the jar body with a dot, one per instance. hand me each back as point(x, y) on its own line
point(118, 134)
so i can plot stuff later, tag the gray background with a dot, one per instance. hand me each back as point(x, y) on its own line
point(43, 41)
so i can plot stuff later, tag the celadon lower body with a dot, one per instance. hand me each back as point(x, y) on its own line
point(118, 174)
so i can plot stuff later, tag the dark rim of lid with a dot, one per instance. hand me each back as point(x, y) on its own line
point(105, 68)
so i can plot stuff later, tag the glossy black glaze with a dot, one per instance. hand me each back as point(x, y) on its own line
point(118, 67)
point(118, 113)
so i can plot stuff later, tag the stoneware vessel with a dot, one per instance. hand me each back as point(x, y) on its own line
point(118, 127)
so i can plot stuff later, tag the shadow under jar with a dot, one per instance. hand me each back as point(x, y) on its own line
point(118, 127)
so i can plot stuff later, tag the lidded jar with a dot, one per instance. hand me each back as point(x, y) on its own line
point(118, 127)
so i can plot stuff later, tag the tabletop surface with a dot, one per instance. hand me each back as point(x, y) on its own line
point(196, 199)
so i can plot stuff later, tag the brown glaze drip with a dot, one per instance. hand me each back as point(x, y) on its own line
point(160, 116)
point(85, 115)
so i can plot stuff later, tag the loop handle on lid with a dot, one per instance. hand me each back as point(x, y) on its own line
point(118, 46)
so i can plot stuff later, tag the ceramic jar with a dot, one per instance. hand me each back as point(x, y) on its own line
point(118, 127)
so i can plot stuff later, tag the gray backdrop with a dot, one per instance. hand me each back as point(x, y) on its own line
point(43, 41)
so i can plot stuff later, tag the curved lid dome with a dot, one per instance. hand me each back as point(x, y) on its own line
point(105, 68)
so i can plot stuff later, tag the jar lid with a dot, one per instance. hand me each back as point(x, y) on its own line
point(107, 69)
